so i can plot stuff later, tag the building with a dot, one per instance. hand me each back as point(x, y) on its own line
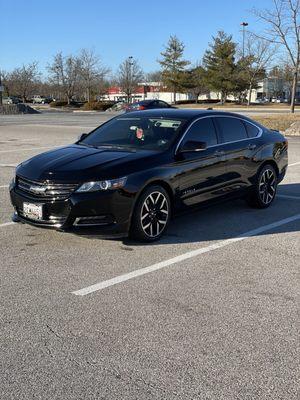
point(146, 91)
point(270, 89)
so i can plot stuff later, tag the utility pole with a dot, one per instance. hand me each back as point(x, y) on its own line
point(244, 24)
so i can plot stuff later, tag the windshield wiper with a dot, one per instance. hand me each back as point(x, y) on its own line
point(117, 147)
point(87, 145)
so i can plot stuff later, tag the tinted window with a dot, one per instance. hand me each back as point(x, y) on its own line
point(136, 133)
point(251, 129)
point(232, 129)
point(202, 131)
point(162, 104)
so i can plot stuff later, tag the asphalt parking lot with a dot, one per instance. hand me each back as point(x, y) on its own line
point(209, 312)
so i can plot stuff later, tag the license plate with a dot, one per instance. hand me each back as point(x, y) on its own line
point(33, 211)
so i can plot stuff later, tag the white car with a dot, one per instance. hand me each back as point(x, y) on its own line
point(261, 101)
point(41, 100)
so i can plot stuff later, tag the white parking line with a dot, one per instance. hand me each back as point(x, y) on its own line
point(3, 186)
point(28, 149)
point(293, 164)
point(285, 196)
point(16, 140)
point(182, 257)
point(7, 224)
point(8, 165)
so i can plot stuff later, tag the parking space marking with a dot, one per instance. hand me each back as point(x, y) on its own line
point(293, 164)
point(285, 196)
point(8, 165)
point(190, 254)
point(3, 186)
point(12, 141)
point(7, 224)
point(30, 149)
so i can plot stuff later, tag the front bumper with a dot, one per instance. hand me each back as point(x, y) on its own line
point(108, 211)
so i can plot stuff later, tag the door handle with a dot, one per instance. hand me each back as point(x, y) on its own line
point(252, 146)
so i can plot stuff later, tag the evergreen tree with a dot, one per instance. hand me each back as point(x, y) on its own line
point(195, 82)
point(173, 65)
point(219, 62)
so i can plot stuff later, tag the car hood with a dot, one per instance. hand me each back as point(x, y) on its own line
point(77, 163)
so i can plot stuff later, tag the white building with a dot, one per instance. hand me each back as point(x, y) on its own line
point(268, 89)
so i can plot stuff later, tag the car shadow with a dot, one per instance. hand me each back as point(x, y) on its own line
point(224, 220)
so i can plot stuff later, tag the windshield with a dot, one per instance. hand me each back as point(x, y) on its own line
point(136, 133)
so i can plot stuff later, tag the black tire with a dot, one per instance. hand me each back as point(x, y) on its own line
point(149, 225)
point(264, 189)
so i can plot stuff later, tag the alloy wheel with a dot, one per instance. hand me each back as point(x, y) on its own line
point(267, 186)
point(154, 214)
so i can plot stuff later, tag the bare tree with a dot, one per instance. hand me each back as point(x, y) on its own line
point(92, 73)
point(128, 76)
point(23, 80)
point(259, 54)
point(287, 78)
point(6, 81)
point(283, 28)
point(155, 76)
point(64, 72)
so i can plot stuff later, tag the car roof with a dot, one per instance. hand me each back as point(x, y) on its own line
point(144, 101)
point(183, 113)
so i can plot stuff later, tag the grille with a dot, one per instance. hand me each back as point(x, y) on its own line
point(46, 190)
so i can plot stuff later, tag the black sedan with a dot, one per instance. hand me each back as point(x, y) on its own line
point(129, 175)
point(147, 105)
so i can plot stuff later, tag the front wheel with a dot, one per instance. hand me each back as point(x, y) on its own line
point(151, 215)
point(264, 189)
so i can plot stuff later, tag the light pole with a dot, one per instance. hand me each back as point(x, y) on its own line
point(0, 89)
point(130, 58)
point(244, 24)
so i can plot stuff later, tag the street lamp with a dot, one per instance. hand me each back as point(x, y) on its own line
point(244, 24)
point(130, 58)
point(1, 89)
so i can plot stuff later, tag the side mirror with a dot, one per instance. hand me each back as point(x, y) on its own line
point(192, 146)
point(82, 136)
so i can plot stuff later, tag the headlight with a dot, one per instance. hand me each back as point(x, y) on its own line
point(102, 185)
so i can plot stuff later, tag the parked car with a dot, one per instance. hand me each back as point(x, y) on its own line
point(147, 105)
point(129, 175)
point(261, 100)
point(278, 100)
point(118, 106)
point(11, 100)
point(41, 99)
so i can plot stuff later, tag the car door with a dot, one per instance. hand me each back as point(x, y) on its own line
point(239, 148)
point(202, 172)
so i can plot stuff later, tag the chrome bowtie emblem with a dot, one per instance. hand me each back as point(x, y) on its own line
point(37, 189)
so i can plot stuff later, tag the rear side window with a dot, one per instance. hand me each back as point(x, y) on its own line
point(232, 129)
point(252, 130)
point(162, 104)
point(202, 131)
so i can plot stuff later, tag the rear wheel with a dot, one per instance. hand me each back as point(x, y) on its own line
point(151, 215)
point(265, 187)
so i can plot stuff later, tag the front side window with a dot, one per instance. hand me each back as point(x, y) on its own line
point(232, 129)
point(202, 130)
point(135, 133)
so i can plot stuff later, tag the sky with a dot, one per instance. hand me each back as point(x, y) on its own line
point(35, 30)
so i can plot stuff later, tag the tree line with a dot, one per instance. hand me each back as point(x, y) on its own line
point(224, 68)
